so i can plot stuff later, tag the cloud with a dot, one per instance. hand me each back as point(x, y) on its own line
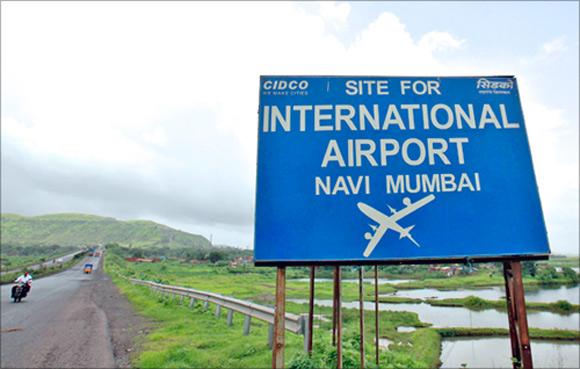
point(439, 41)
point(149, 110)
point(548, 51)
point(554, 46)
point(334, 12)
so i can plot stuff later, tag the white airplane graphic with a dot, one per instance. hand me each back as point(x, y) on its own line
point(385, 222)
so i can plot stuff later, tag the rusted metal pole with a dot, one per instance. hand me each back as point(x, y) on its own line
point(508, 279)
point(338, 319)
point(521, 314)
point(362, 316)
point(279, 314)
point(517, 316)
point(311, 309)
point(377, 315)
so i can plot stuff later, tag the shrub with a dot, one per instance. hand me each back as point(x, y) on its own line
point(563, 305)
point(570, 274)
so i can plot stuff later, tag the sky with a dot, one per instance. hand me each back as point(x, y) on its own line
point(148, 110)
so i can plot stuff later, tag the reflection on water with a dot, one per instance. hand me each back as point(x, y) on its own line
point(545, 294)
point(403, 329)
point(475, 353)
point(442, 317)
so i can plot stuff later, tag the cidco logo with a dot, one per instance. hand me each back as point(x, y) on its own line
point(282, 85)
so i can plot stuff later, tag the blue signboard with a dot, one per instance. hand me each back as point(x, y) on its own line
point(386, 169)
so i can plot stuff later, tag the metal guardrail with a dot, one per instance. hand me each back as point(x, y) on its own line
point(294, 323)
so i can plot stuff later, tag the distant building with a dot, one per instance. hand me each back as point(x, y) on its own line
point(449, 271)
point(241, 261)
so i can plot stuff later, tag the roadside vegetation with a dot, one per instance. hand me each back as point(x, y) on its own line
point(186, 337)
point(17, 256)
point(43, 272)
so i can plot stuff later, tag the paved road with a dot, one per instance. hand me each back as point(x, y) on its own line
point(57, 325)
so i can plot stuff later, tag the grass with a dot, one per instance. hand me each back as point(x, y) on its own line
point(548, 334)
point(568, 261)
point(44, 272)
point(18, 258)
point(476, 303)
point(184, 337)
point(84, 229)
point(474, 281)
point(256, 284)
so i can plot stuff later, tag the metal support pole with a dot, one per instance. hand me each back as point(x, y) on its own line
point(230, 318)
point(338, 318)
point(218, 311)
point(247, 323)
point(507, 275)
point(279, 319)
point(334, 306)
point(181, 300)
point(205, 305)
point(362, 316)
point(377, 315)
point(518, 320)
point(310, 326)
point(192, 302)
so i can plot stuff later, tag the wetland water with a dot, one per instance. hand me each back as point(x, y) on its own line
point(476, 353)
point(442, 317)
point(492, 352)
point(544, 294)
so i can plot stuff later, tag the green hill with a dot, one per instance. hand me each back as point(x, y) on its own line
point(84, 229)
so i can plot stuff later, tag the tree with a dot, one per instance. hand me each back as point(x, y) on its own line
point(569, 273)
point(547, 273)
point(215, 256)
point(529, 268)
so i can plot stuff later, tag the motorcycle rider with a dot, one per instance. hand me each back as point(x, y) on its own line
point(26, 280)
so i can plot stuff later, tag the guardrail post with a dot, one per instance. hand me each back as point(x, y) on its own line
point(192, 302)
point(218, 311)
point(270, 336)
point(247, 322)
point(205, 305)
point(230, 318)
point(306, 332)
point(181, 300)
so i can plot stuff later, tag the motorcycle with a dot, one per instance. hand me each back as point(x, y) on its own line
point(19, 291)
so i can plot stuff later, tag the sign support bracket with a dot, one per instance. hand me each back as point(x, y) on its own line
point(337, 318)
point(517, 317)
point(279, 319)
point(311, 310)
point(361, 315)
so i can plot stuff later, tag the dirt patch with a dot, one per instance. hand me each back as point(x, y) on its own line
point(126, 328)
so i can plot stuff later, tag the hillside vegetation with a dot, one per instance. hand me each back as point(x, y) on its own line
point(83, 229)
